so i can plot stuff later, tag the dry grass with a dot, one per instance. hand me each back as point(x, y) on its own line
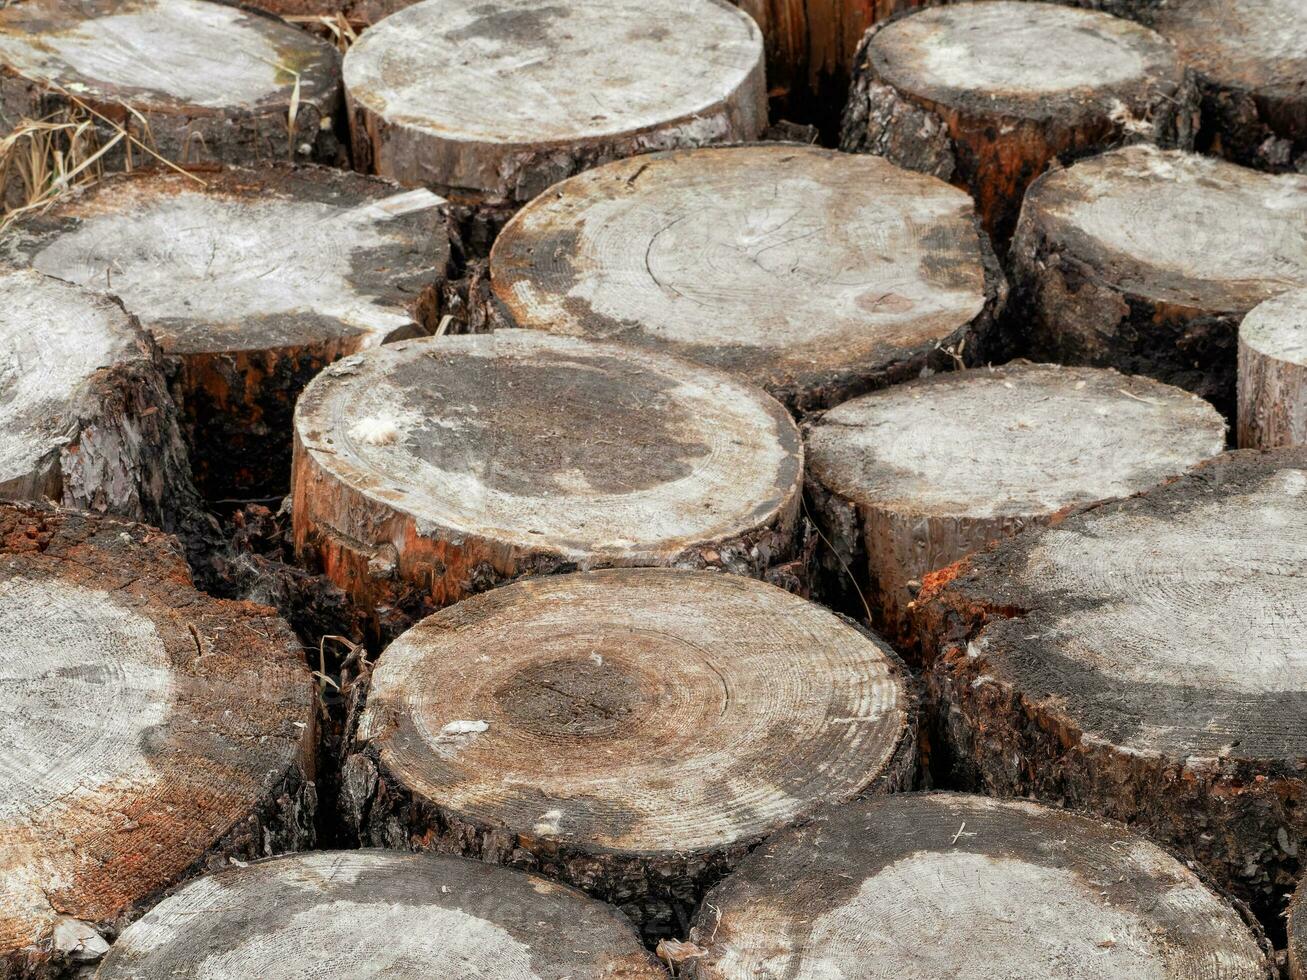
point(337, 28)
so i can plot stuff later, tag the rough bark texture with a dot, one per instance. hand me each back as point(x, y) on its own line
point(633, 732)
point(909, 480)
point(429, 470)
point(251, 282)
point(1147, 260)
point(968, 888)
point(1298, 934)
point(813, 274)
point(153, 733)
point(355, 914)
point(208, 82)
point(1143, 659)
point(1273, 373)
point(988, 95)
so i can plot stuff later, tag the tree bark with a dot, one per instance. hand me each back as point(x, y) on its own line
point(153, 732)
point(632, 732)
point(1298, 935)
point(1273, 373)
point(990, 95)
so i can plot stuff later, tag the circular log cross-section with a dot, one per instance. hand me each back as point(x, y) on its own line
point(252, 283)
point(146, 730)
point(1146, 260)
point(1252, 71)
point(85, 416)
point(632, 732)
point(489, 103)
point(428, 470)
point(1145, 659)
point(942, 885)
point(815, 274)
point(351, 915)
point(989, 94)
point(1273, 373)
point(908, 480)
point(197, 82)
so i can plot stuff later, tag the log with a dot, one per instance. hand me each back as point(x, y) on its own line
point(358, 13)
point(988, 95)
point(429, 470)
point(631, 732)
point(1147, 260)
point(251, 283)
point(1298, 934)
point(488, 104)
point(149, 732)
point(198, 82)
point(945, 885)
point(357, 914)
point(844, 273)
point(86, 418)
point(1144, 660)
point(908, 480)
point(1252, 72)
point(1273, 373)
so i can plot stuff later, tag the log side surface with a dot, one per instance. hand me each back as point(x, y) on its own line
point(909, 480)
point(1273, 373)
point(812, 273)
point(1297, 955)
point(147, 730)
point(493, 102)
point(1146, 260)
point(629, 731)
point(944, 885)
point(1145, 659)
point(447, 465)
point(204, 81)
point(352, 915)
point(989, 94)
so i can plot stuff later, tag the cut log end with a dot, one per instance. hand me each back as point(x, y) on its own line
point(812, 273)
point(1273, 373)
point(356, 914)
point(631, 731)
point(449, 464)
point(956, 886)
point(915, 477)
point(670, 73)
point(148, 729)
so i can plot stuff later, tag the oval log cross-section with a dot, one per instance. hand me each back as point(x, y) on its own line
point(989, 94)
point(351, 915)
point(814, 274)
point(197, 82)
point(490, 103)
point(1273, 373)
point(632, 732)
point(1145, 658)
point(1146, 260)
point(1252, 69)
point(431, 469)
point(85, 415)
point(909, 480)
point(252, 282)
point(146, 730)
point(942, 885)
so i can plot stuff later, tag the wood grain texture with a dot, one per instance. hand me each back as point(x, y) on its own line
point(1144, 659)
point(1147, 260)
point(943, 885)
point(909, 480)
point(148, 731)
point(632, 732)
point(816, 275)
point(352, 915)
point(1273, 373)
point(251, 282)
point(491, 103)
point(428, 470)
point(989, 94)
point(212, 82)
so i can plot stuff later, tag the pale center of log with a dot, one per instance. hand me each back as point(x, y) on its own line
point(1278, 328)
point(587, 695)
point(83, 680)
